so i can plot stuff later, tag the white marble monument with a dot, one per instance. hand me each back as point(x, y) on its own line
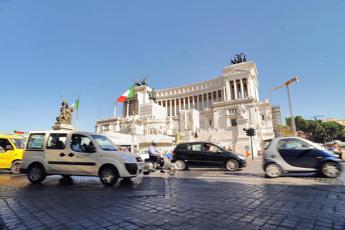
point(216, 110)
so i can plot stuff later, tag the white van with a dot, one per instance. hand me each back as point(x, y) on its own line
point(70, 153)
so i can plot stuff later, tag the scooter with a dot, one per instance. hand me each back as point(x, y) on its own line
point(166, 165)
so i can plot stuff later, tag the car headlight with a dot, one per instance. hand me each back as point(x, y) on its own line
point(241, 157)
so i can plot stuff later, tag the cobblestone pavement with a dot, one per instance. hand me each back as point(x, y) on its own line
point(196, 199)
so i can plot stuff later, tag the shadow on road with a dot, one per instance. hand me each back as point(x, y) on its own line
point(162, 202)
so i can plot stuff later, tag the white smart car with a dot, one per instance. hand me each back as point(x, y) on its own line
point(69, 153)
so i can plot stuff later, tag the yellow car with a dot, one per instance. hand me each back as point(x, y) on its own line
point(11, 152)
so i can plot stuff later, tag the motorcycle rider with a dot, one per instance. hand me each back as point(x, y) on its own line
point(155, 155)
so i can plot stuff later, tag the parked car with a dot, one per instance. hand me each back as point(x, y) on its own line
point(294, 154)
point(206, 154)
point(11, 152)
point(69, 153)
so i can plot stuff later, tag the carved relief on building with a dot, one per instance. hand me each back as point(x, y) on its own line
point(242, 112)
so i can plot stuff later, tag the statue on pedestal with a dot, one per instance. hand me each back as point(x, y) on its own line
point(238, 58)
point(64, 120)
point(152, 95)
point(141, 83)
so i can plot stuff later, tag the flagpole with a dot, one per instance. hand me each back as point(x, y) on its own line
point(77, 118)
point(115, 109)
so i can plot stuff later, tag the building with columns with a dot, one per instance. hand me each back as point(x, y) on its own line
point(216, 110)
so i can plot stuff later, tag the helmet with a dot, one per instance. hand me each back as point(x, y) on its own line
point(154, 143)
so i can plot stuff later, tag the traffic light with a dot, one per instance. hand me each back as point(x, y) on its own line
point(247, 132)
point(251, 132)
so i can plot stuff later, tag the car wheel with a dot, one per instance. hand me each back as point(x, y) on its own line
point(330, 169)
point(232, 165)
point(36, 174)
point(273, 170)
point(15, 167)
point(108, 176)
point(180, 165)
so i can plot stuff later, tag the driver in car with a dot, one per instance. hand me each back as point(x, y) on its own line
point(76, 144)
point(209, 148)
point(89, 148)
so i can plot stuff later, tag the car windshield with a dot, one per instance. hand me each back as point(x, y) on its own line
point(104, 143)
point(267, 144)
point(19, 143)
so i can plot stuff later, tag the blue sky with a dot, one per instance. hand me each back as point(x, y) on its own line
point(98, 48)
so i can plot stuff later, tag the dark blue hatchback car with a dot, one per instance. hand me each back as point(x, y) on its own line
point(294, 154)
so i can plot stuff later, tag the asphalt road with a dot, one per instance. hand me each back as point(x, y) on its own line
point(195, 199)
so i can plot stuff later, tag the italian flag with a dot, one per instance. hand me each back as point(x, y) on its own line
point(126, 95)
point(74, 106)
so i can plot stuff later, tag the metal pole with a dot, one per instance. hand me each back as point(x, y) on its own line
point(127, 108)
point(115, 110)
point(251, 143)
point(77, 120)
point(293, 123)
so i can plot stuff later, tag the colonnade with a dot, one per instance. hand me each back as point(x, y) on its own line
point(232, 90)
point(237, 89)
point(198, 102)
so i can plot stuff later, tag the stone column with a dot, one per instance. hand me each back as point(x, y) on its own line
point(208, 101)
point(196, 102)
point(250, 87)
point(202, 102)
point(247, 90)
point(235, 88)
point(242, 93)
point(175, 106)
point(181, 99)
point(170, 108)
point(228, 92)
point(166, 107)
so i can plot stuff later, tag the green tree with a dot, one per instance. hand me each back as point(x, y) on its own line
point(319, 131)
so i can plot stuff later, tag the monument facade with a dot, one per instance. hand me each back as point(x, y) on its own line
point(216, 110)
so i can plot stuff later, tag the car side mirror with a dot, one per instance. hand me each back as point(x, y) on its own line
point(8, 148)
